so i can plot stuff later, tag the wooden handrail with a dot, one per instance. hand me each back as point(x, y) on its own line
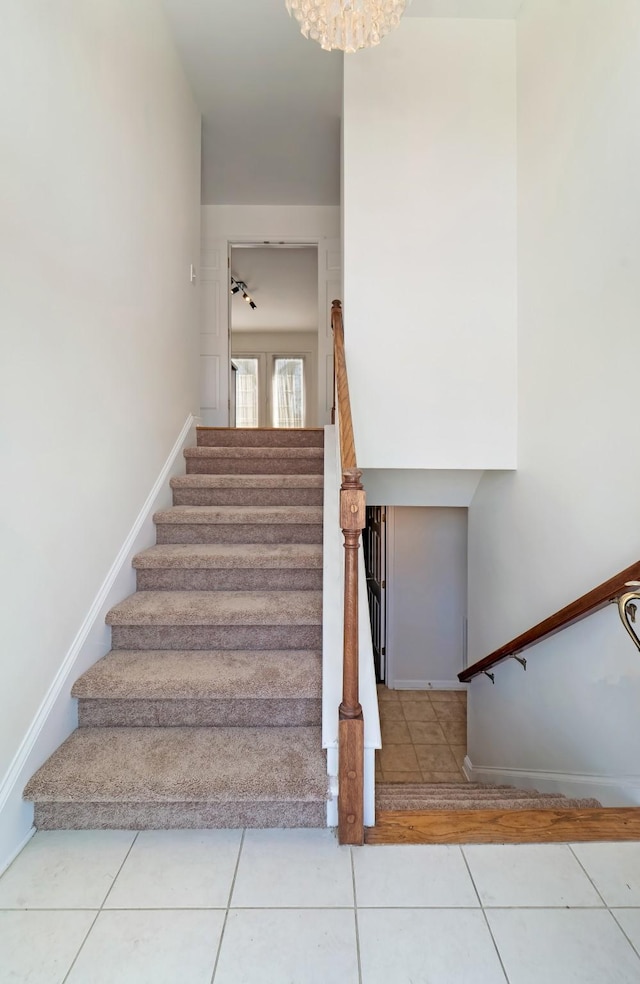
point(341, 393)
point(352, 521)
point(586, 605)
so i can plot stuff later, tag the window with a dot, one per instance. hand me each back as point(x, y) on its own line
point(246, 392)
point(288, 391)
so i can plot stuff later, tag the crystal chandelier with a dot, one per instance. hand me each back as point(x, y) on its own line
point(346, 24)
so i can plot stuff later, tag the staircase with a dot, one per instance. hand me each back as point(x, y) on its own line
point(425, 734)
point(207, 710)
point(471, 796)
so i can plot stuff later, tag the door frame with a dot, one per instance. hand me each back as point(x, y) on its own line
point(239, 242)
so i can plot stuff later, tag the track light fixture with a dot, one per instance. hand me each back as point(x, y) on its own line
point(239, 287)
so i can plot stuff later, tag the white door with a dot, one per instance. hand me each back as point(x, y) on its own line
point(214, 333)
point(329, 289)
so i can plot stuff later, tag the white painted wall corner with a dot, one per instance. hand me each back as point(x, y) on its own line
point(57, 715)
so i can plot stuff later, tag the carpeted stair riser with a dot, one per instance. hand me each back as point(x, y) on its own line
point(230, 580)
point(461, 790)
point(239, 533)
point(194, 496)
point(260, 437)
point(230, 567)
point(177, 816)
point(535, 803)
point(254, 466)
point(247, 490)
point(254, 461)
point(239, 515)
point(256, 637)
point(199, 713)
point(471, 796)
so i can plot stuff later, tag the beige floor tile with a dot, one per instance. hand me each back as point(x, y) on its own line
point(450, 711)
point(418, 710)
point(385, 694)
point(415, 695)
point(455, 732)
point(395, 733)
point(391, 710)
point(462, 696)
point(443, 777)
point(442, 695)
point(459, 753)
point(402, 777)
point(435, 758)
point(426, 733)
point(399, 758)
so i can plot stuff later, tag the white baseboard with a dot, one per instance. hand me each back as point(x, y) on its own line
point(56, 717)
point(428, 685)
point(609, 790)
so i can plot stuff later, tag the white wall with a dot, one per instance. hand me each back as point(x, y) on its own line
point(99, 222)
point(429, 245)
point(568, 519)
point(426, 597)
point(281, 223)
point(419, 487)
point(266, 345)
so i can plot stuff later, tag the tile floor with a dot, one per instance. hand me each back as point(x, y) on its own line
point(424, 735)
point(291, 907)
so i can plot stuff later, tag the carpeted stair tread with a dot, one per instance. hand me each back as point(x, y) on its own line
point(183, 765)
point(228, 556)
point(461, 788)
point(218, 608)
point(201, 453)
point(260, 436)
point(240, 515)
point(247, 482)
point(467, 796)
point(202, 675)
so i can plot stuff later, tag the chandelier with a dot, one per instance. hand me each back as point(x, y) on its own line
point(346, 24)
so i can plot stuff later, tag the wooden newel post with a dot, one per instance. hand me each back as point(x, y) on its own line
point(351, 723)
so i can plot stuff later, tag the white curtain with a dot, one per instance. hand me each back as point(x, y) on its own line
point(288, 393)
point(246, 392)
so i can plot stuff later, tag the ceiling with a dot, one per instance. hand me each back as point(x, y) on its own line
point(271, 101)
point(284, 285)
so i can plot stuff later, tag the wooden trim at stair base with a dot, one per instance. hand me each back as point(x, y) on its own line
point(504, 826)
point(351, 782)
